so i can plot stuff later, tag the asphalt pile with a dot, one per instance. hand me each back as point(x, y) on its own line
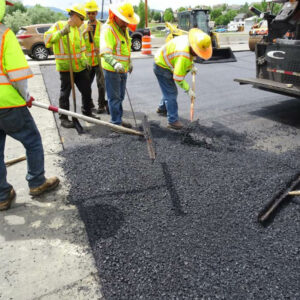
point(185, 227)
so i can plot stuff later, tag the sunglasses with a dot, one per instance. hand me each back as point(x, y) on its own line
point(91, 13)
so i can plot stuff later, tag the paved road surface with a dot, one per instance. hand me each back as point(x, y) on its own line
point(186, 226)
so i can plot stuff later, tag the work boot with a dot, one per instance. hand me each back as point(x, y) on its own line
point(101, 110)
point(49, 185)
point(176, 125)
point(91, 115)
point(66, 123)
point(126, 124)
point(5, 205)
point(162, 112)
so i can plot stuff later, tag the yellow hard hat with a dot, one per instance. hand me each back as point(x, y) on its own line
point(78, 8)
point(125, 12)
point(91, 6)
point(200, 43)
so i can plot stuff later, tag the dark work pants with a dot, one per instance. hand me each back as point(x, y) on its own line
point(82, 81)
point(100, 84)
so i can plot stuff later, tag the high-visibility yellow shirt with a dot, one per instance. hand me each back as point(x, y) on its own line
point(54, 39)
point(13, 67)
point(113, 41)
point(175, 56)
point(91, 47)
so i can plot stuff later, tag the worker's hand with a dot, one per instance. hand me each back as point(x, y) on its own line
point(194, 69)
point(119, 68)
point(29, 102)
point(130, 69)
point(191, 93)
point(87, 65)
point(65, 30)
point(88, 29)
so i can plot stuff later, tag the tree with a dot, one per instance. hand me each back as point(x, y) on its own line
point(181, 9)
point(157, 17)
point(16, 20)
point(141, 13)
point(39, 14)
point(215, 13)
point(17, 6)
point(168, 15)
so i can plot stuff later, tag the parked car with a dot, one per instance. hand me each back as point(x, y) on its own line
point(220, 30)
point(136, 42)
point(31, 39)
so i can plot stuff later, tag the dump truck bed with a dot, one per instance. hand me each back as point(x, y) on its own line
point(271, 86)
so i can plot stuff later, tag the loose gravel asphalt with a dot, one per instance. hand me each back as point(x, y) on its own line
point(185, 227)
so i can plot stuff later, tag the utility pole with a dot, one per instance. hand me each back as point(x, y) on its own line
point(146, 13)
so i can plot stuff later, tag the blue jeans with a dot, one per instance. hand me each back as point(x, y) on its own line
point(115, 88)
point(19, 124)
point(169, 90)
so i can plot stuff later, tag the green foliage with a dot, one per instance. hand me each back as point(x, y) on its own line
point(226, 18)
point(215, 13)
point(157, 17)
point(181, 9)
point(16, 20)
point(17, 6)
point(141, 13)
point(39, 15)
point(168, 15)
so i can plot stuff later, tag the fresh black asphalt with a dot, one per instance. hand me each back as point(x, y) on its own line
point(185, 227)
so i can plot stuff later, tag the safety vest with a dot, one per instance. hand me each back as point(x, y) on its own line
point(90, 47)
point(59, 43)
point(175, 56)
point(113, 41)
point(13, 67)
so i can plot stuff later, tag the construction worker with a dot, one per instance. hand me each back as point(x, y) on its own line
point(91, 35)
point(57, 37)
point(115, 45)
point(172, 62)
point(15, 118)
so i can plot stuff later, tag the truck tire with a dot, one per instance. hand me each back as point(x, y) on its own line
point(40, 52)
point(136, 44)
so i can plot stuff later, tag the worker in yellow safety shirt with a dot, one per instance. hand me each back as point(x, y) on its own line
point(91, 35)
point(57, 38)
point(172, 62)
point(15, 118)
point(115, 49)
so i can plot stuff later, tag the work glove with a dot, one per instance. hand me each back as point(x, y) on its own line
point(119, 68)
point(194, 69)
point(29, 101)
point(130, 69)
point(87, 65)
point(65, 30)
point(191, 93)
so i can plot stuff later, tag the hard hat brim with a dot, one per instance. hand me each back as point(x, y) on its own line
point(134, 20)
point(9, 3)
point(77, 12)
point(204, 54)
point(91, 9)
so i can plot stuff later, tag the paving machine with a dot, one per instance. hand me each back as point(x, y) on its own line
point(278, 54)
point(199, 18)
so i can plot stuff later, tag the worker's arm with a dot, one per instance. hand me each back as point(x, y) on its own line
point(181, 68)
point(52, 35)
point(107, 44)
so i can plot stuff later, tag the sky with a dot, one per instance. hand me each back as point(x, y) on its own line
point(153, 4)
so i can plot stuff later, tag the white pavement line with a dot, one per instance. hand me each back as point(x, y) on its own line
point(44, 248)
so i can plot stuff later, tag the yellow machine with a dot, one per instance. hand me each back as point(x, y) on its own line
point(199, 18)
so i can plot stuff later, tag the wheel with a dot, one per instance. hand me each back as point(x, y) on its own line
point(40, 52)
point(136, 44)
point(31, 56)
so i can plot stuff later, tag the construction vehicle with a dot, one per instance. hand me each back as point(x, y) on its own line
point(199, 18)
point(278, 54)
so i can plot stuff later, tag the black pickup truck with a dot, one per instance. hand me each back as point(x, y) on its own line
point(136, 43)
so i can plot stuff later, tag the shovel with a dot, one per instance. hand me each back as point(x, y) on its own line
point(75, 121)
point(193, 98)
